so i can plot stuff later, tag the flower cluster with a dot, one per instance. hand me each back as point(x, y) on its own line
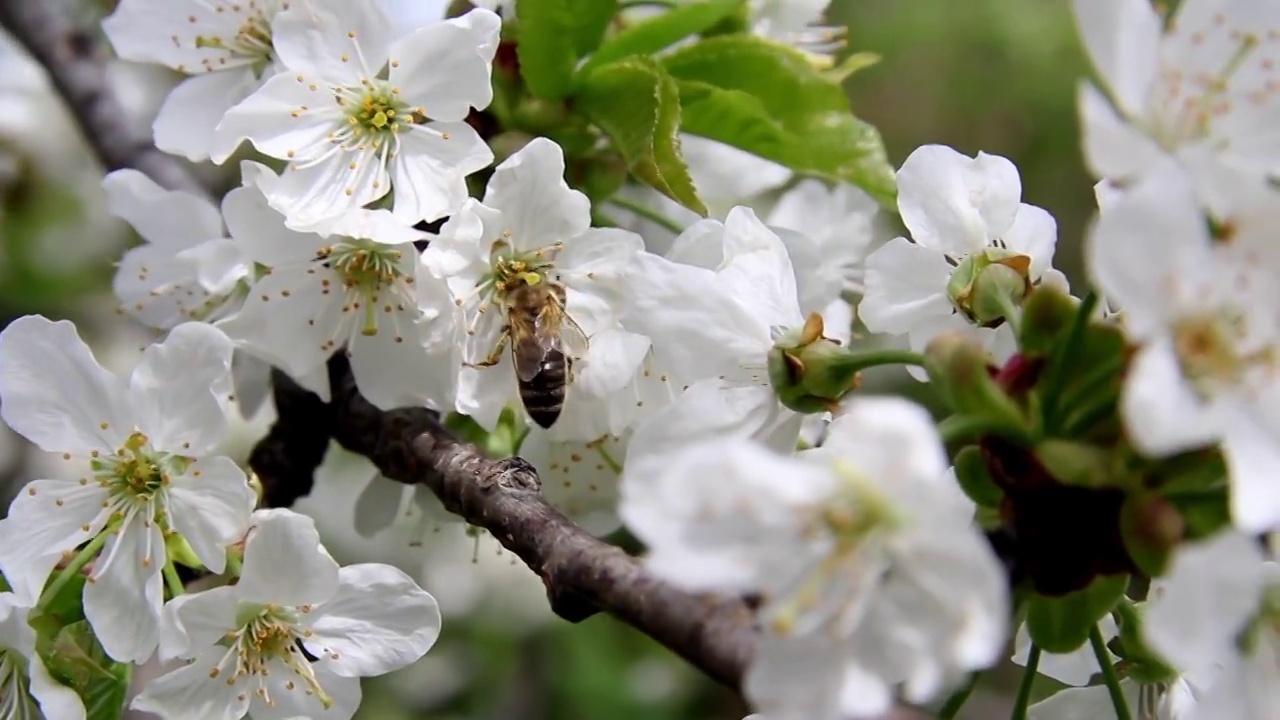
point(700, 387)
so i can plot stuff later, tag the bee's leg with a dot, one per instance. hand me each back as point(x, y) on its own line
point(494, 357)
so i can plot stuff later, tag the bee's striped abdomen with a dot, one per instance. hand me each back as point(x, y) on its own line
point(543, 394)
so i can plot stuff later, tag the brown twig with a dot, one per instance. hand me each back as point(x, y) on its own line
point(583, 575)
point(78, 68)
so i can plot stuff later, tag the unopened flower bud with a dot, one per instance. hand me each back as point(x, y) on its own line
point(810, 372)
point(985, 285)
point(961, 369)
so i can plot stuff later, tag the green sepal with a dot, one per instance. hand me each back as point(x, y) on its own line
point(1062, 624)
point(975, 479)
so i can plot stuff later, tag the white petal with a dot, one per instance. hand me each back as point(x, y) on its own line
point(709, 409)
point(292, 701)
point(1162, 412)
point(123, 596)
point(189, 691)
point(1149, 239)
point(190, 623)
point(1112, 147)
point(614, 358)
point(168, 33)
point(1251, 446)
point(182, 383)
point(802, 679)
point(1034, 233)
point(757, 270)
point(1211, 590)
point(596, 264)
point(579, 478)
point(46, 519)
point(1084, 703)
point(159, 288)
point(953, 203)
point(168, 218)
point(259, 229)
point(537, 204)
point(429, 171)
point(700, 330)
point(725, 175)
point(56, 700)
point(270, 118)
point(379, 503)
point(284, 562)
point(290, 320)
point(339, 41)
point(445, 67)
point(906, 286)
point(1122, 38)
point(309, 195)
point(187, 119)
point(55, 393)
point(714, 515)
point(379, 621)
point(393, 370)
point(210, 507)
point(887, 437)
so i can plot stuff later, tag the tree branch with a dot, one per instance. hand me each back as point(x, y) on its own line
point(582, 574)
point(78, 68)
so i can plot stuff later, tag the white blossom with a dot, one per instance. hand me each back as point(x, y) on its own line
point(871, 572)
point(225, 48)
point(293, 636)
point(1216, 617)
point(532, 228)
point(315, 294)
point(1200, 88)
point(957, 208)
point(1206, 317)
point(140, 448)
point(712, 310)
point(26, 688)
point(187, 268)
point(828, 231)
point(363, 107)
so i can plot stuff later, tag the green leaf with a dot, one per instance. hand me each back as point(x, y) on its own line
point(552, 35)
point(769, 99)
point(658, 33)
point(638, 105)
point(76, 659)
point(1062, 624)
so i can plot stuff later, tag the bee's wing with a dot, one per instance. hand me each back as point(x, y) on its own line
point(529, 347)
point(573, 341)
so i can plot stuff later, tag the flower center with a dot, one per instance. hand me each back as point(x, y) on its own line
point(251, 41)
point(1210, 354)
point(1189, 103)
point(136, 474)
point(379, 114)
point(269, 633)
point(367, 271)
point(510, 268)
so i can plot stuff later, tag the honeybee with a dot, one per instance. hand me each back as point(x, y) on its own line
point(545, 341)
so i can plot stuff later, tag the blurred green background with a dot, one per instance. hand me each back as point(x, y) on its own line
point(992, 75)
